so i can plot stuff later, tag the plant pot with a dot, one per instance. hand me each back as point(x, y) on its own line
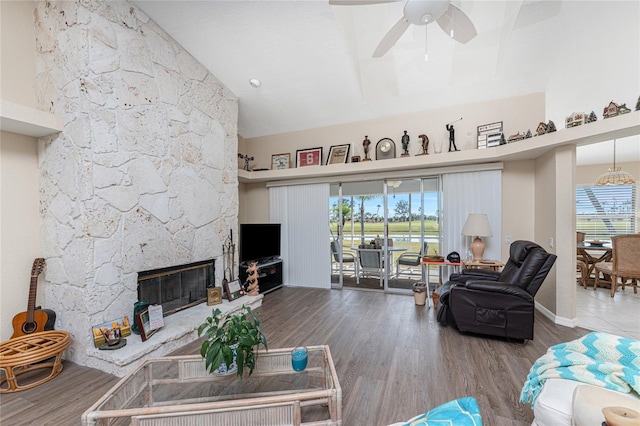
point(223, 369)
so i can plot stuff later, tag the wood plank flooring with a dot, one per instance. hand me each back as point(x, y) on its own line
point(393, 359)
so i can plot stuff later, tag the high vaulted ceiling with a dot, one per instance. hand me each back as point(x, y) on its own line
point(314, 59)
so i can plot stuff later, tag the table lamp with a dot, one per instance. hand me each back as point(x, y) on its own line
point(477, 225)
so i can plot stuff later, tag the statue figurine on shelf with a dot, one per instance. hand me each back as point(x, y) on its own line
point(425, 144)
point(365, 144)
point(452, 138)
point(405, 144)
point(251, 285)
point(246, 159)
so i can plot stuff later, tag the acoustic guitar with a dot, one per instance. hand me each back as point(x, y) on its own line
point(34, 320)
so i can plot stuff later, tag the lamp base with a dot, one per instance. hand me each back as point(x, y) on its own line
point(477, 248)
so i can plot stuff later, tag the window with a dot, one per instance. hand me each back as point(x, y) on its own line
point(605, 211)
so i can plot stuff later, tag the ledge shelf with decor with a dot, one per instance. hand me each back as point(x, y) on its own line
point(599, 131)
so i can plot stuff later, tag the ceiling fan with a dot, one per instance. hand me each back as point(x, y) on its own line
point(421, 12)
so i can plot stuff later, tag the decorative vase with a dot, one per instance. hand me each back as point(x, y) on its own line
point(223, 369)
point(138, 307)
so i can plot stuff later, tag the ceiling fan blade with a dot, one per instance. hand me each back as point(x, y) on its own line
point(457, 24)
point(359, 2)
point(392, 36)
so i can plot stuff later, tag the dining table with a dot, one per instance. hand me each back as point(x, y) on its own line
point(592, 253)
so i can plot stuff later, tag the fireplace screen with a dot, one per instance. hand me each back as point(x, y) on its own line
point(177, 287)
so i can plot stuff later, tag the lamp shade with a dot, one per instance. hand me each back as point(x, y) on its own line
point(477, 225)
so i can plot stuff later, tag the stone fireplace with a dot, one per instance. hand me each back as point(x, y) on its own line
point(143, 176)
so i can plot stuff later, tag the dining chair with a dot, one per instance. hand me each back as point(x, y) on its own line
point(410, 261)
point(348, 259)
point(371, 261)
point(624, 265)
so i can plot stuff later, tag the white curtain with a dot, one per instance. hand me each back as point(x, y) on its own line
point(303, 211)
point(471, 192)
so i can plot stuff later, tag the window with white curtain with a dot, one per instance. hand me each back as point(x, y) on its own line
point(471, 192)
point(304, 214)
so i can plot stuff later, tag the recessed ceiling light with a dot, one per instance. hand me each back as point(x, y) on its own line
point(254, 82)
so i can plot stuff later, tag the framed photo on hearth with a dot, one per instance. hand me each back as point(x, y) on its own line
point(338, 154)
point(309, 157)
point(144, 325)
point(233, 290)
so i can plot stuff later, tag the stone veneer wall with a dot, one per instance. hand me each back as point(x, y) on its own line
point(145, 173)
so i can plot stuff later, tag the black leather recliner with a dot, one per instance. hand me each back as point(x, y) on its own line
point(497, 303)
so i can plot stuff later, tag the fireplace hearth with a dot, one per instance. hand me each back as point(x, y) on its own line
point(177, 287)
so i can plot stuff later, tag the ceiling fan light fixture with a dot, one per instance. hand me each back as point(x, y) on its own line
point(254, 82)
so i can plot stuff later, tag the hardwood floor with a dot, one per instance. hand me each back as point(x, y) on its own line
point(393, 359)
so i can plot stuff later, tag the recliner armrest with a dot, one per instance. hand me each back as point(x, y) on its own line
point(474, 274)
point(498, 288)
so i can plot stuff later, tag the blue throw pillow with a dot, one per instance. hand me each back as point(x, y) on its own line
point(460, 412)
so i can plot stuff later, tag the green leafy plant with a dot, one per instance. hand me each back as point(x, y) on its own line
point(223, 332)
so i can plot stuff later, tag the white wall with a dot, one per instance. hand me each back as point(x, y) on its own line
point(19, 217)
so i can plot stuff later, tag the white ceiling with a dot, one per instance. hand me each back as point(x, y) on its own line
point(314, 59)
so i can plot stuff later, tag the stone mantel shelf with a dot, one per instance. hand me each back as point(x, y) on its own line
point(179, 329)
point(24, 120)
point(586, 134)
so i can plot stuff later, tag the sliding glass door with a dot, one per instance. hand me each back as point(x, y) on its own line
point(379, 231)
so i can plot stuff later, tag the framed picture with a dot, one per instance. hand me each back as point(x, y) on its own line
point(355, 159)
point(280, 161)
point(214, 296)
point(233, 290)
point(309, 157)
point(119, 328)
point(338, 154)
point(144, 325)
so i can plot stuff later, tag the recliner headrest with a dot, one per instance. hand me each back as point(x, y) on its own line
point(520, 249)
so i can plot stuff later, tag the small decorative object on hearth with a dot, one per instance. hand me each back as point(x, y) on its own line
point(613, 110)
point(231, 341)
point(365, 145)
point(251, 285)
point(425, 144)
point(405, 144)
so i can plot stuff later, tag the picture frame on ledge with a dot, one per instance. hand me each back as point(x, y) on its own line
point(233, 290)
point(309, 157)
point(144, 325)
point(338, 154)
point(280, 161)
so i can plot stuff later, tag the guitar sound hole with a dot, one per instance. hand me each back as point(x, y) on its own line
point(29, 327)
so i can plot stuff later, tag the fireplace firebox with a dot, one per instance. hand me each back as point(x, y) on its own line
point(177, 287)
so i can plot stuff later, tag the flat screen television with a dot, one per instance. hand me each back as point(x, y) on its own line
point(259, 241)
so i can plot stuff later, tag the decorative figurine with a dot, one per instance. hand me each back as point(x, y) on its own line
point(503, 141)
point(246, 159)
point(517, 137)
point(452, 136)
point(638, 104)
point(365, 144)
point(592, 117)
point(405, 144)
point(528, 134)
point(425, 144)
point(613, 110)
point(575, 119)
point(551, 127)
point(541, 129)
point(251, 285)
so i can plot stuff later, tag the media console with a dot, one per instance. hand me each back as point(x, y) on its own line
point(269, 274)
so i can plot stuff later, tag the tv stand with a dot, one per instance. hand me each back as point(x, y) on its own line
point(269, 274)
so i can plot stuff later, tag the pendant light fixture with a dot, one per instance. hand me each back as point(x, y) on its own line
point(615, 175)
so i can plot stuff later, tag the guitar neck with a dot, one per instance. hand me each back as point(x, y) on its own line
point(31, 305)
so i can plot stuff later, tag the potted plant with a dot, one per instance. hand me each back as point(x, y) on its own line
point(230, 341)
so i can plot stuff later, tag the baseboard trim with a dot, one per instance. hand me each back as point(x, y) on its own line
point(566, 322)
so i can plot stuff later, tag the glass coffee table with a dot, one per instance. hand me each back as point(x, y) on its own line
point(179, 390)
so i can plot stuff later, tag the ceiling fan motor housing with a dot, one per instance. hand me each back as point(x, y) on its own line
point(422, 12)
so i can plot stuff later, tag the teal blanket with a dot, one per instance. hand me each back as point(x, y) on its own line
point(600, 359)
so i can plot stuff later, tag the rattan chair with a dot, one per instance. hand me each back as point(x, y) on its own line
point(625, 263)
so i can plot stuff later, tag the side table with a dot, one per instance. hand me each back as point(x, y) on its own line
point(425, 265)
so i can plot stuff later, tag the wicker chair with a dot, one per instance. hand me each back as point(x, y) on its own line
point(625, 264)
